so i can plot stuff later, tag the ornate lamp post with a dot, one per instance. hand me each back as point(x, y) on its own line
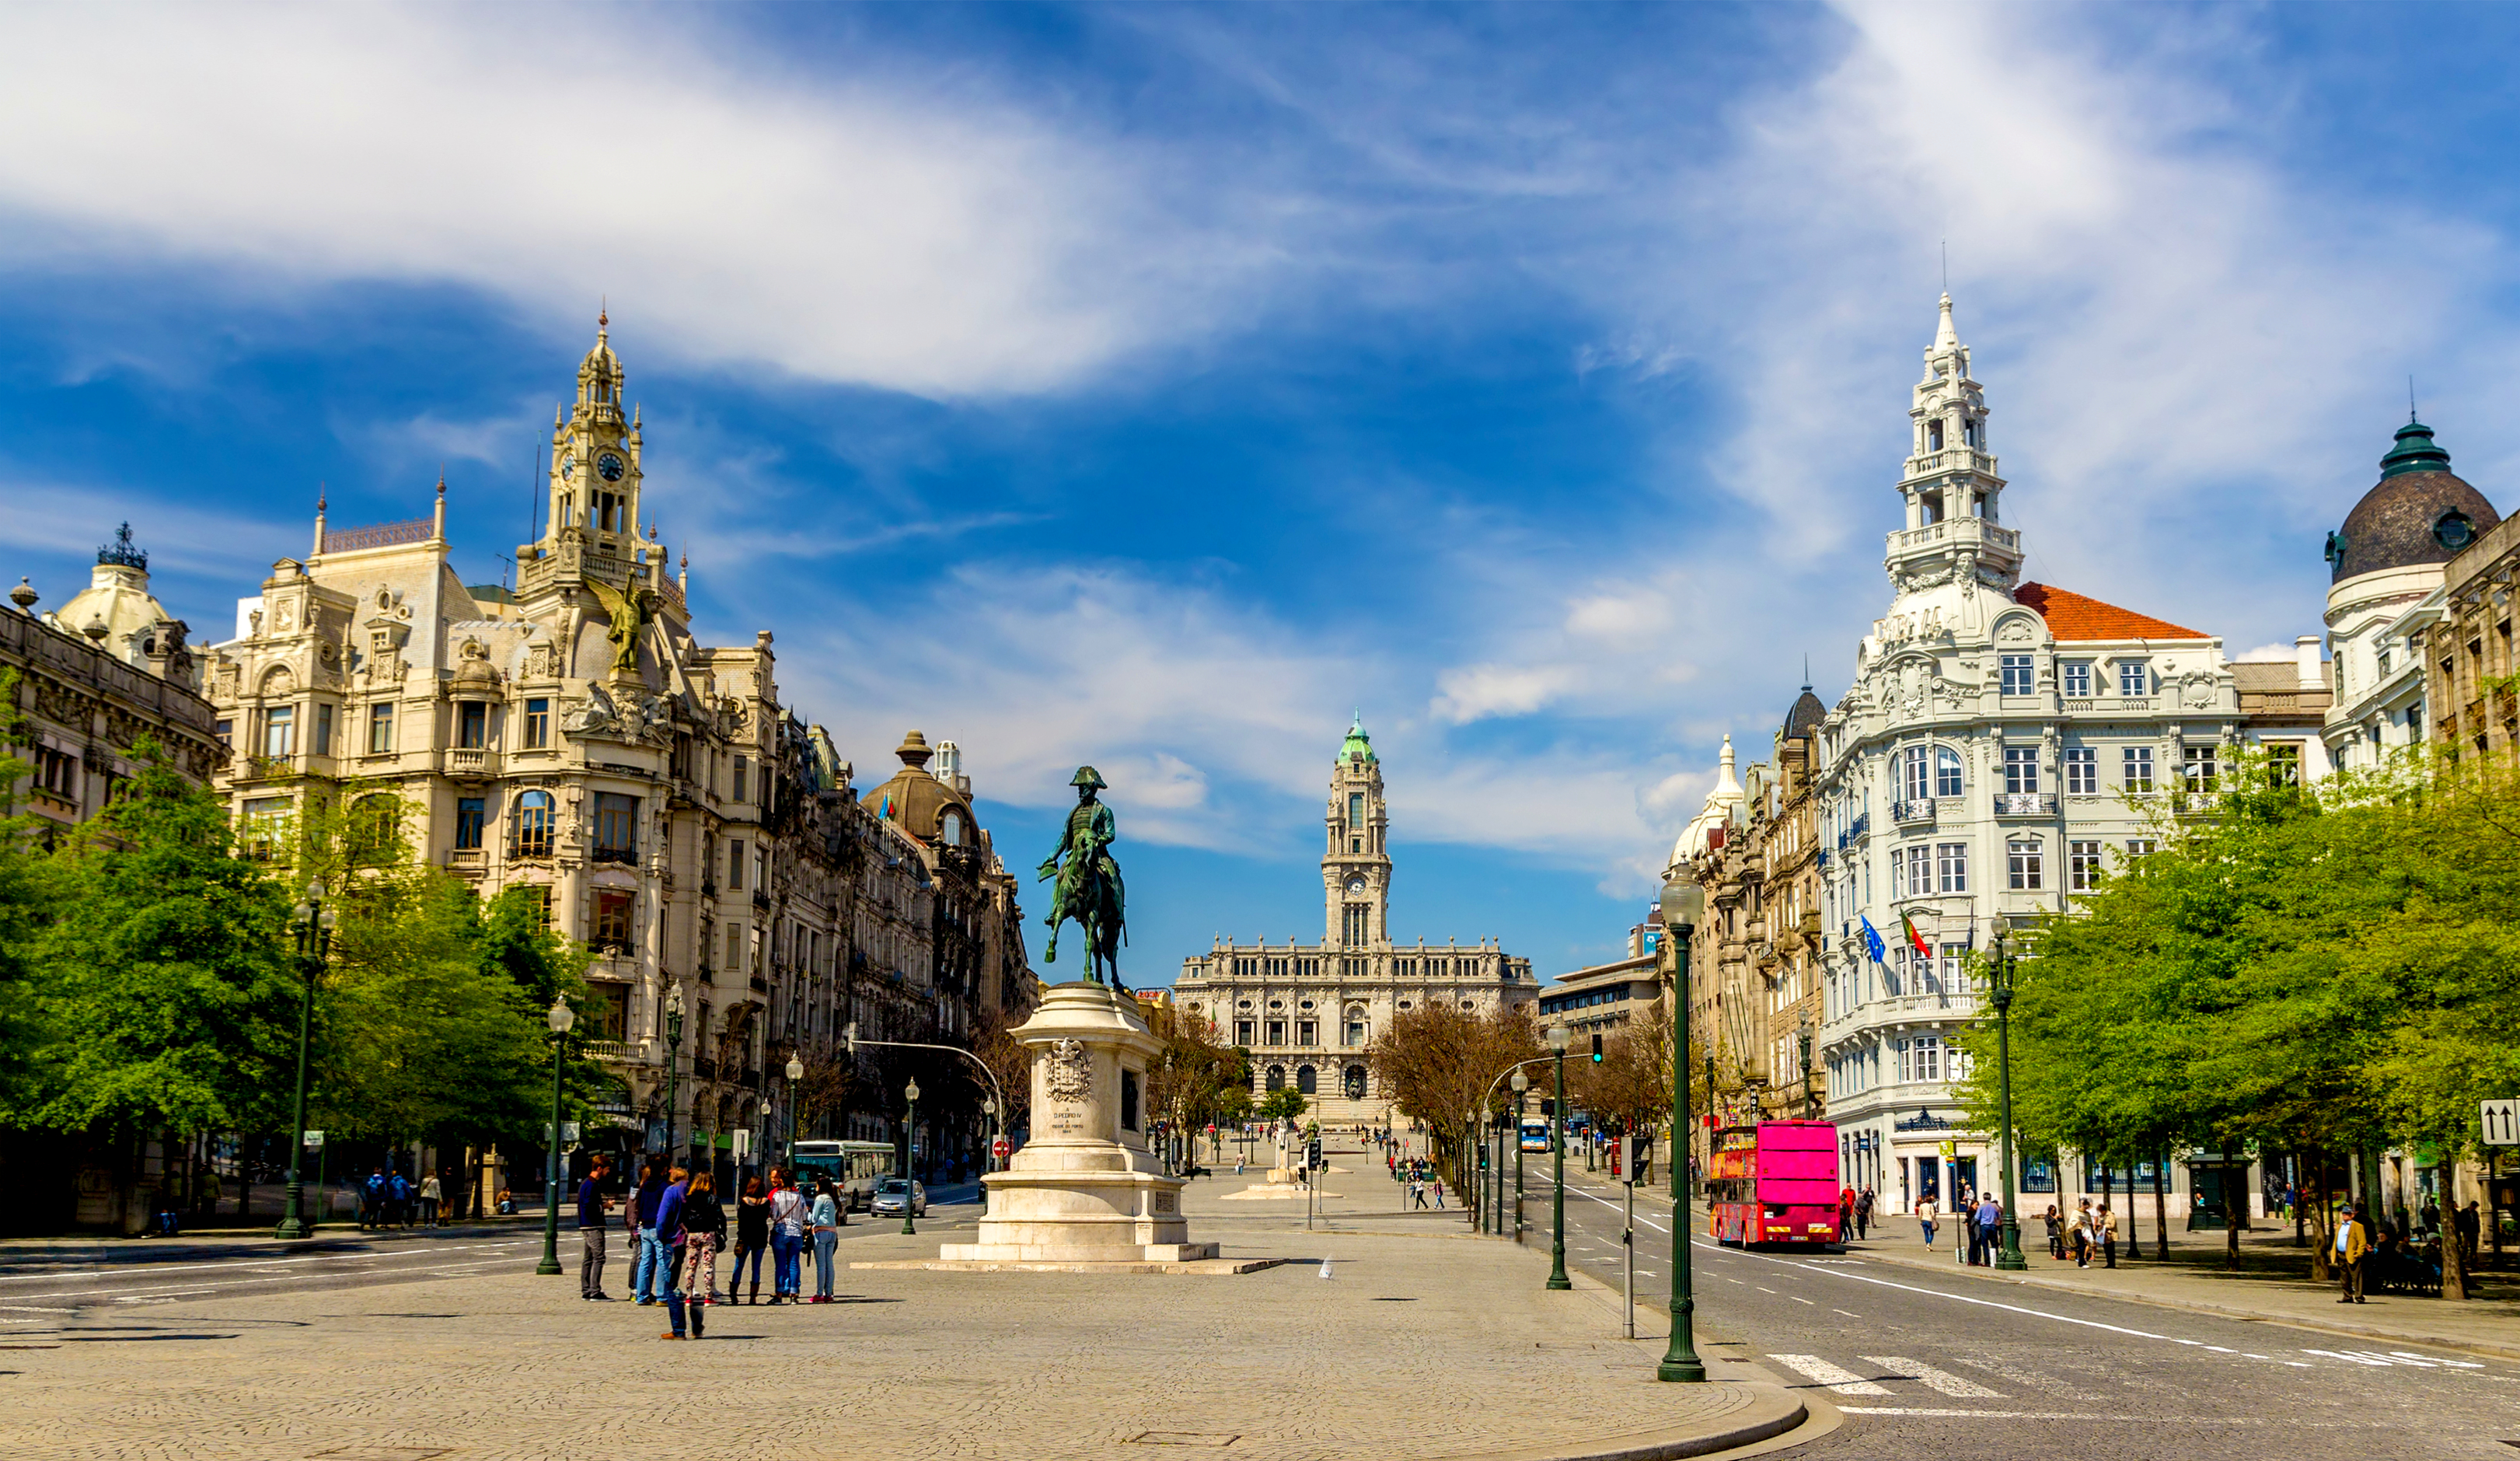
point(673, 1043)
point(1520, 1083)
point(2001, 991)
point(795, 1073)
point(909, 1151)
point(560, 1018)
point(313, 924)
point(1556, 1038)
point(1683, 900)
point(1810, 1102)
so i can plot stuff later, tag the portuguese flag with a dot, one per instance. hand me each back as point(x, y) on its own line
point(1916, 940)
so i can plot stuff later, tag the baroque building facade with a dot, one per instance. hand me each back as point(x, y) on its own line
point(1306, 1012)
point(653, 795)
point(2004, 743)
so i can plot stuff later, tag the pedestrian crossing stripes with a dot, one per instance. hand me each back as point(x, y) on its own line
point(1840, 1380)
point(1940, 1380)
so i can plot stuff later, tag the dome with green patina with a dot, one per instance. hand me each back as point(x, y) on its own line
point(1358, 746)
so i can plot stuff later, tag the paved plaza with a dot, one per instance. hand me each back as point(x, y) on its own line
point(1421, 1342)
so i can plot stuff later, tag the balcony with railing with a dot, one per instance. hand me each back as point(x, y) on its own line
point(1855, 831)
point(1919, 811)
point(1958, 532)
point(2025, 803)
point(472, 763)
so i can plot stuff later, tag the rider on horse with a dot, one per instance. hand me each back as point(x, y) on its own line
point(1088, 884)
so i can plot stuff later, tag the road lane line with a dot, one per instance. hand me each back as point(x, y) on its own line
point(1942, 1380)
point(118, 1269)
point(1841, 1381)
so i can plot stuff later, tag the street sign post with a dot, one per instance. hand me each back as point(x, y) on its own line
point(315, 1138)
point(2502, 1124)
point(1629, 1147)
point(1002, 1148)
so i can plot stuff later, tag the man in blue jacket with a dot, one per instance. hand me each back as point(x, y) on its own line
point(669, 1226)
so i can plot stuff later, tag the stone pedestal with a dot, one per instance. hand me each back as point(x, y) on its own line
point(1085, 1188)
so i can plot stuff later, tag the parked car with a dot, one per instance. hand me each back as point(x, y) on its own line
point(892, 1192)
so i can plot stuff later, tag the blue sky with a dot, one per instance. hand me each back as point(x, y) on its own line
point(1156, 384)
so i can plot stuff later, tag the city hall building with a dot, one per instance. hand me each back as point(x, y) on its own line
point(1307, 1010)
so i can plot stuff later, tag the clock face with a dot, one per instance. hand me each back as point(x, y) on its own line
point(1356, 885)
point(609, 466)
point(567, 468)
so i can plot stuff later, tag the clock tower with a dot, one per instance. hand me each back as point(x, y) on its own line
point(1356, 870)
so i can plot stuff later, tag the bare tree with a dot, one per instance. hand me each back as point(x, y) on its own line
point(1438, 1063)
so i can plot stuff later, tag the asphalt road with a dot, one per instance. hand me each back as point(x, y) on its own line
point(1929, 1365)
point(51, 1288)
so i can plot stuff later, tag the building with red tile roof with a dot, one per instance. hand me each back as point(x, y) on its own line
point(2075, 616)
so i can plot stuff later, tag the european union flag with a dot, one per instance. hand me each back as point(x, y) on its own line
point(1873, 947)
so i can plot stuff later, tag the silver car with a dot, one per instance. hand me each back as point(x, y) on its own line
point(892, 1192)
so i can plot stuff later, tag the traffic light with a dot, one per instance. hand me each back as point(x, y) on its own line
point(1597, 1048)
point(1548, 1106)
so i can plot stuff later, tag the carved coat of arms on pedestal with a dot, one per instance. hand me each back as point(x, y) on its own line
point(1071, 1073)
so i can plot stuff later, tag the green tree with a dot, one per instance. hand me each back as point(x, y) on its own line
point(1283, 1105)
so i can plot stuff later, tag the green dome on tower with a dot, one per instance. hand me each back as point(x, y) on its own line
point(1358, 746)
point(2415, 451)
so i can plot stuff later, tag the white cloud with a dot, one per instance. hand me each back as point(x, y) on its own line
point(854, 231)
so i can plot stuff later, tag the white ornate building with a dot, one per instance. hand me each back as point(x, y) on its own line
point(1307, 1010)
point(654, 794)
point(2002, 746)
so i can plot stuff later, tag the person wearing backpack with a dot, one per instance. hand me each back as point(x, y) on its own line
point(372, 1201)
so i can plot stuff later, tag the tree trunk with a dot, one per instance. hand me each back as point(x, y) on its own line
point(2453, 1254)
point(2161, 1208)
point(2320, 1269)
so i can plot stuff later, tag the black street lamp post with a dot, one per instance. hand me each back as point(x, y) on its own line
point(1556, 1038)
point(1521, 1083)
point(673, 1043)
point(313, 923)
point(2001, 992)
point(1810, 1102)
point(1683, 900)
point(795, 1073)
point(560, 1018)
point(908, 1157)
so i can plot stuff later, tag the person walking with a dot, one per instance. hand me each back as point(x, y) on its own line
point(1990, 1228)
point(1926, 1212)
point(703, 1237)
point(1417, 1194)
point(647, 1278)
point(786, 1237)
point(2353, 1244)
point(398, 1191)
point(592, 1205)
point(825, 1219)
point(372, 1204)
point(1863, 1212)
point(2081, 1232)
point(751, 1237)
point(2055, 1234)
point(1439, 1194)
point(2108, 1222)
point(431, 1194)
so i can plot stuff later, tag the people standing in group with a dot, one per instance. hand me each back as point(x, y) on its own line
point(786, 1237)
point(2353, 1244)
point(669, 1247)
point(1972, 1232)
point(647, 1276)
point(703, 1237)
point(1845, 1212)
point(751, 1237)
point(1926, 1212)
point(825, 1215)
point(1863, 1212)
point(591, 1204)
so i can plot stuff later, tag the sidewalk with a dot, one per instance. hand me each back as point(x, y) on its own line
point(2274, 1284)
point(1283, 1364)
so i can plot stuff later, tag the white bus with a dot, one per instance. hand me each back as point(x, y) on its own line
point(852, 1166)
point(1535, 1133)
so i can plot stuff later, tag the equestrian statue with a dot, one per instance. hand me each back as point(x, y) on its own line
point(1088, 884)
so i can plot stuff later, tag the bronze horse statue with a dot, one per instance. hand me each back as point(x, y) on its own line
point(1088, 889)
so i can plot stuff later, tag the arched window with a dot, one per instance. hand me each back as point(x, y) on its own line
point(1306, 1081)
point(1356, 1034)
point(950, 831)
point(1277, 1079)
point(1352, 1081)
point(534, 824)
point(1947, 771)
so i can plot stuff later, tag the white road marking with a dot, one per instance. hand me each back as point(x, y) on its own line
point(433, 1249)
point(1942, 1380)
point(1850, 1314)
point(1770, 1291)
point(1798, 1299)
point(1843, 1381)
point(2457, 1364)
point(2355, 1359)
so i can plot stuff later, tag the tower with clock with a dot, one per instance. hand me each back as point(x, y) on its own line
point(595, 460)
point(1356, 868)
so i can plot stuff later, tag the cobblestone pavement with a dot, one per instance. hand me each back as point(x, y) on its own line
point(1371, 1362)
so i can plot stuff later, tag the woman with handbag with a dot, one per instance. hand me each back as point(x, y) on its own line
point(703, 1234)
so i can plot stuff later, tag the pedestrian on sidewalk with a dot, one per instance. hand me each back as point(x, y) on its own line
point(751, 1237)
point(647, 1278)
point(1845, 1211)
point(592, 1205)
point(669, 1247)
point(398, 1195)
point(1439, 1194)
point(826, 1217)
point(2108, 1221)
point(787, 1238)
point(2055, 1234)
point(431, 1196)
point(372, 1201)
point(1417, 1194)
point(2081, 1232)
point(703, 1235)
point(1990, 1228)
point(2352, 1245)
point(1862, 1210)
point(1925, 1216)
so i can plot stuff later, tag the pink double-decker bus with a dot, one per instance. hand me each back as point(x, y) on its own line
point(1774, 1182)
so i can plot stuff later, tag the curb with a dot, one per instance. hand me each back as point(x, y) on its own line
point(2215, 1310)
point(1771, 1413)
